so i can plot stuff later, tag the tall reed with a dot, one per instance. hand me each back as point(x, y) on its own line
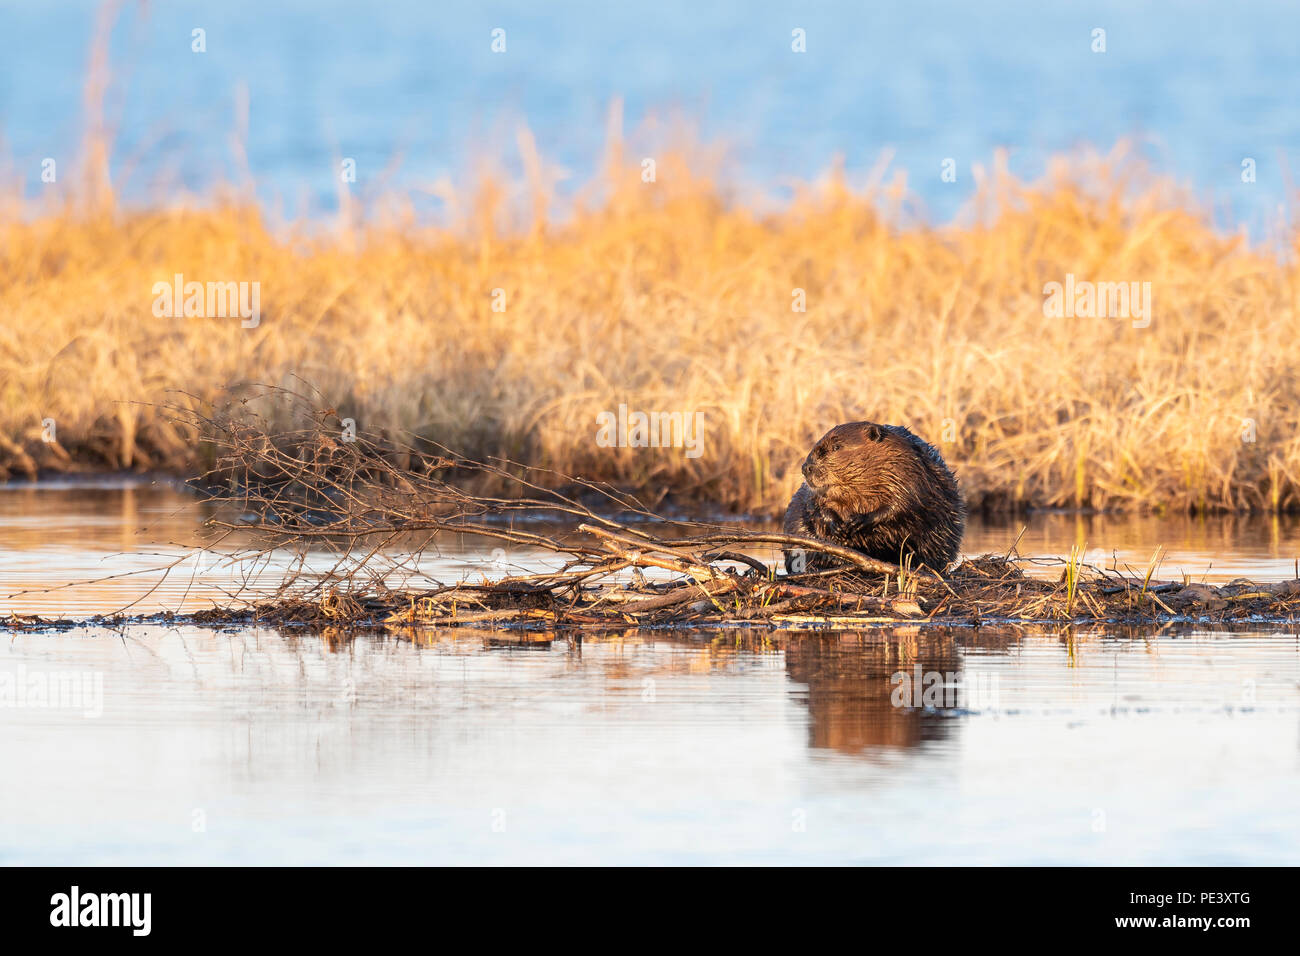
point(509, 330)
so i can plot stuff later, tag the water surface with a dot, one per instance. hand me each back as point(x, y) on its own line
point(189, 745)
point(77, 548)
point(413, 92)
point(251, 746)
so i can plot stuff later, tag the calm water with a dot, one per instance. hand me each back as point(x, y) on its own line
point(412, 91)
point(77, 549)
point(151, 744)
point(252, 746)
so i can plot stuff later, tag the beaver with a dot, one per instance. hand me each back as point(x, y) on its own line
point(878, 489)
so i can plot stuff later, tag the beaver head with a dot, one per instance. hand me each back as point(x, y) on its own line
point(859, 468)
point(880, 490)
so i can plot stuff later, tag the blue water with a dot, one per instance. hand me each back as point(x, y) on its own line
point(412, 91)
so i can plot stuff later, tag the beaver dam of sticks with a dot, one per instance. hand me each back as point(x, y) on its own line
point(359, 513)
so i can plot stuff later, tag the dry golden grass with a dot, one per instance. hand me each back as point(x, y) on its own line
point(666, 297)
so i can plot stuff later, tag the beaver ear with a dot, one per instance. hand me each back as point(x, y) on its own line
point(875, 432)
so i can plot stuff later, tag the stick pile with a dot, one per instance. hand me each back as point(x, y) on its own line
point(378, 504)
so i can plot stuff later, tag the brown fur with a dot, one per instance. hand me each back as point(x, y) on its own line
point(880, 490)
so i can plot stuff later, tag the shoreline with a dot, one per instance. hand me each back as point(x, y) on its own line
point(698, 510)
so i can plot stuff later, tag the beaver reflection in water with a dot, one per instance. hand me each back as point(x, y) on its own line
point(880, 490)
